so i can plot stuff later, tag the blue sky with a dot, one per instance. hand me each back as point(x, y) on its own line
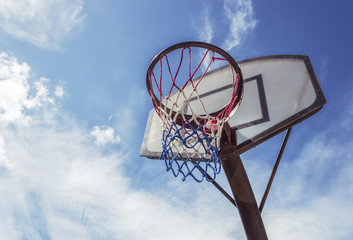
point(73, 108)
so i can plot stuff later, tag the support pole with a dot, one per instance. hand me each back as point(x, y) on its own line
point(244, 198)
point(239, 183)
point(274, 170)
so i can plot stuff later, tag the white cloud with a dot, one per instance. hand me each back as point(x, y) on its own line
point(59, 91)
point(312, 198)
point(40, 22)
point(240, 14)
point(239, 22)
point(207, 31)
point(104, 136)
point(16, 93)
point(60, 186)
point(42, 95)
point(13, 89)
point(3, 160)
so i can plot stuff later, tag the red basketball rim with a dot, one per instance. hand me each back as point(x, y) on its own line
point(234, 99)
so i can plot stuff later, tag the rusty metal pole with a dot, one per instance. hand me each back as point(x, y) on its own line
point(241, 187)
point(244, 198)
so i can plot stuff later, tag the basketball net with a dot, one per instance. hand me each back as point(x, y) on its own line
point(191, 135)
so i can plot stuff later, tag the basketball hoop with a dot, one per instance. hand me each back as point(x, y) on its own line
point(191, 120)
point(196, 89)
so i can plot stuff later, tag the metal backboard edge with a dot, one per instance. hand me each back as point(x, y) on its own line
point(319, 102)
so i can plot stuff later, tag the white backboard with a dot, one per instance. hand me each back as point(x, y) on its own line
point(279, 92)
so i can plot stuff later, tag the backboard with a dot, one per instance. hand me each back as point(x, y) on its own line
point(279, 92)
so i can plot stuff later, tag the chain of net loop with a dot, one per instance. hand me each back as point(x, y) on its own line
point(190, 142)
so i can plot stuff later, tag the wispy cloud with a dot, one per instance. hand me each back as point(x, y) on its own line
point(59, 91)
point(240, 20)
point(59, 185)
point(42, 23)
point(241, 17)
point(16, 94)
point(314, 199)
point(104, 136)
point(207, 30)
